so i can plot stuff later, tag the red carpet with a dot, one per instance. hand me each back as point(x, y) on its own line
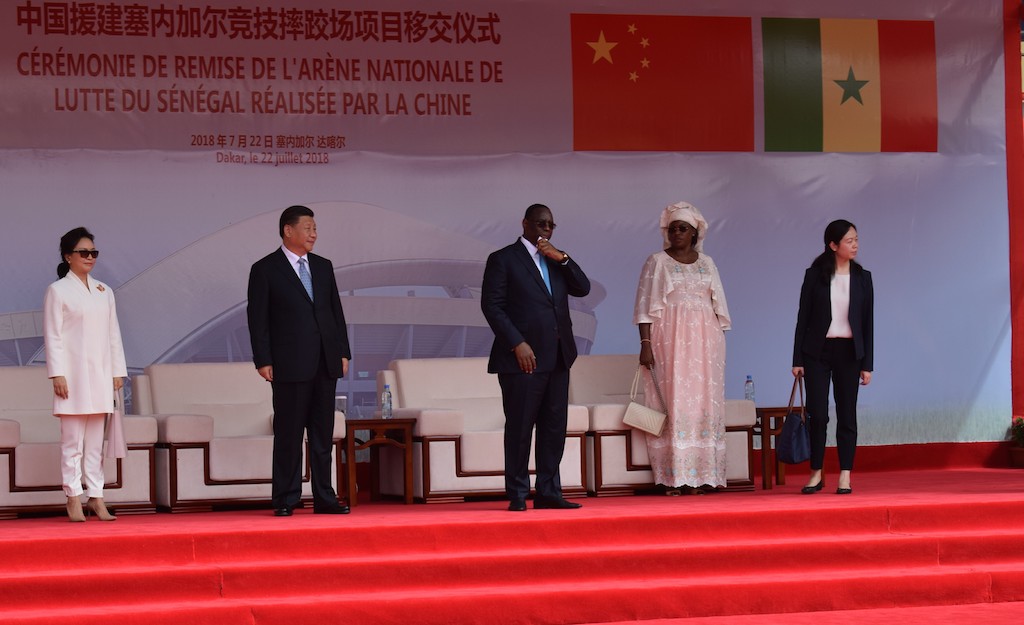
point(936, 544)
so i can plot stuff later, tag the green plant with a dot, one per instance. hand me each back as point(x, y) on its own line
point(1017, 431)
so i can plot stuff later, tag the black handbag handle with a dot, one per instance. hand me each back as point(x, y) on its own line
point(799, 381)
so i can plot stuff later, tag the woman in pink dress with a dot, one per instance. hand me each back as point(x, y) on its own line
point(682, 315)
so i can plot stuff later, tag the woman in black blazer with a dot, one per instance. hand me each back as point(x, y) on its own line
point(834, 341)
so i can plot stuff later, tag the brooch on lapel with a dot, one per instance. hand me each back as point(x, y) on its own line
point(99, 287)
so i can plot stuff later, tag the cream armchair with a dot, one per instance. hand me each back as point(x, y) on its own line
point(215, 439)
point(617, 454)
point(458, 449)
point(30, 480)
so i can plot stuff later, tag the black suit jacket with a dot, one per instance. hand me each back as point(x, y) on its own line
point(519, 308)
point(287, 330)
point(815, 315)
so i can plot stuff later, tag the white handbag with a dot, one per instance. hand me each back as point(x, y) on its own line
point(116, 447)
point(640, 416)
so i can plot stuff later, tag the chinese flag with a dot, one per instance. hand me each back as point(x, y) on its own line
point(662, 83)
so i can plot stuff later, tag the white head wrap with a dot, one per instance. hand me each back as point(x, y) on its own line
point(684, 211)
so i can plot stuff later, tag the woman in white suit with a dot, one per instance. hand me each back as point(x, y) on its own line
point(85, 361)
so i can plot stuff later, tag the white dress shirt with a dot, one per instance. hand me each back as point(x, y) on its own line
point(294, 260)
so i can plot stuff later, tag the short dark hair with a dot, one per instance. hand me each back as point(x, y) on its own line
point(533, 209)
point(67, 246)
point(291, 216)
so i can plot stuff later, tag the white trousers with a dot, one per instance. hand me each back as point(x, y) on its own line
point(81, 446)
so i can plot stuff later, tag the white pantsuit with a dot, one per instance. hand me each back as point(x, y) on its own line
point(83, 344)
point(81, 444)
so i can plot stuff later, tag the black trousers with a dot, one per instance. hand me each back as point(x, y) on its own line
point(838, 364)
point(304, 406)
point(532, 400)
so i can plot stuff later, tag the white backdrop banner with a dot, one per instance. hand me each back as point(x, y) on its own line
point(419, 132)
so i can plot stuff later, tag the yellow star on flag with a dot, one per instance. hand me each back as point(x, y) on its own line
point(602, 48)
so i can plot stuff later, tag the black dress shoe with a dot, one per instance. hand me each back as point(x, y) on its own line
point(557, 504)
point(339, 509)
point(844, 491)
point(285, 511)
point(517, 505)
point(810, 490)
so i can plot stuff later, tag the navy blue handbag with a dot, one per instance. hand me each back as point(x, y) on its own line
point(793, 444)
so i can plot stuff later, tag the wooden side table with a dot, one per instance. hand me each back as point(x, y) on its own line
point(383, 432)
point(769, 425)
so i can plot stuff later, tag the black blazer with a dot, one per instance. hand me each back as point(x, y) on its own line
point(519, 308)
point(287, 330)
point(815, 315)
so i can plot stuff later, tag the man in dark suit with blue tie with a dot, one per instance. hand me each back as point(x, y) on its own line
point(525, 299)
point(299, 345)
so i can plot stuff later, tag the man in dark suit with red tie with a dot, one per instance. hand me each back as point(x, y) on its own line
point(525, 299)
point(299, 345)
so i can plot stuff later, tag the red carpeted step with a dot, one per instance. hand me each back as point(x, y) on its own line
point(621, 559)
point(975, 614)
point(365, 573)
point(569, 601)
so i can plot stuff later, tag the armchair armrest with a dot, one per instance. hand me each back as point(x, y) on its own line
point(434, 421)
point(184, 428)
point(577, 419)
point(10, 433)
point(740, 412)
point(340, 428)
point(607, 417)
point(139, 429)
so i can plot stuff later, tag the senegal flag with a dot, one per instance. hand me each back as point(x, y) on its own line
point(849, 85)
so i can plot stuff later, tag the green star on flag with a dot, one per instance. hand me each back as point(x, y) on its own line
point(851, 87)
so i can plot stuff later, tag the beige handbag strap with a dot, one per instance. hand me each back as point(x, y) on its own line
point(799, 381)
point(657, 387)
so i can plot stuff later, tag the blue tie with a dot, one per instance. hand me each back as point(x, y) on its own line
point(304, 276)
point(544, 271)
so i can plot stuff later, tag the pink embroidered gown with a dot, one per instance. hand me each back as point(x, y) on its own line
point(686, 307)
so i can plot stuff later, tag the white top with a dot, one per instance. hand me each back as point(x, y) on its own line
point(83, 344)
point(840, 294)
point(294, 260)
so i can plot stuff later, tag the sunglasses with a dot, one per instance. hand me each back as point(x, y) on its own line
point(543, 223)
point(677, 228)
point(87, 253)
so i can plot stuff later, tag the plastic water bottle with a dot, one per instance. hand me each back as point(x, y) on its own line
point(748, 388)
point(385, 402)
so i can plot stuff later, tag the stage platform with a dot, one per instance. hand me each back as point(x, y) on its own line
point(931, 545)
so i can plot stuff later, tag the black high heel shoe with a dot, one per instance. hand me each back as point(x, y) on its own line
point(810, 490)
point(844, 491)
